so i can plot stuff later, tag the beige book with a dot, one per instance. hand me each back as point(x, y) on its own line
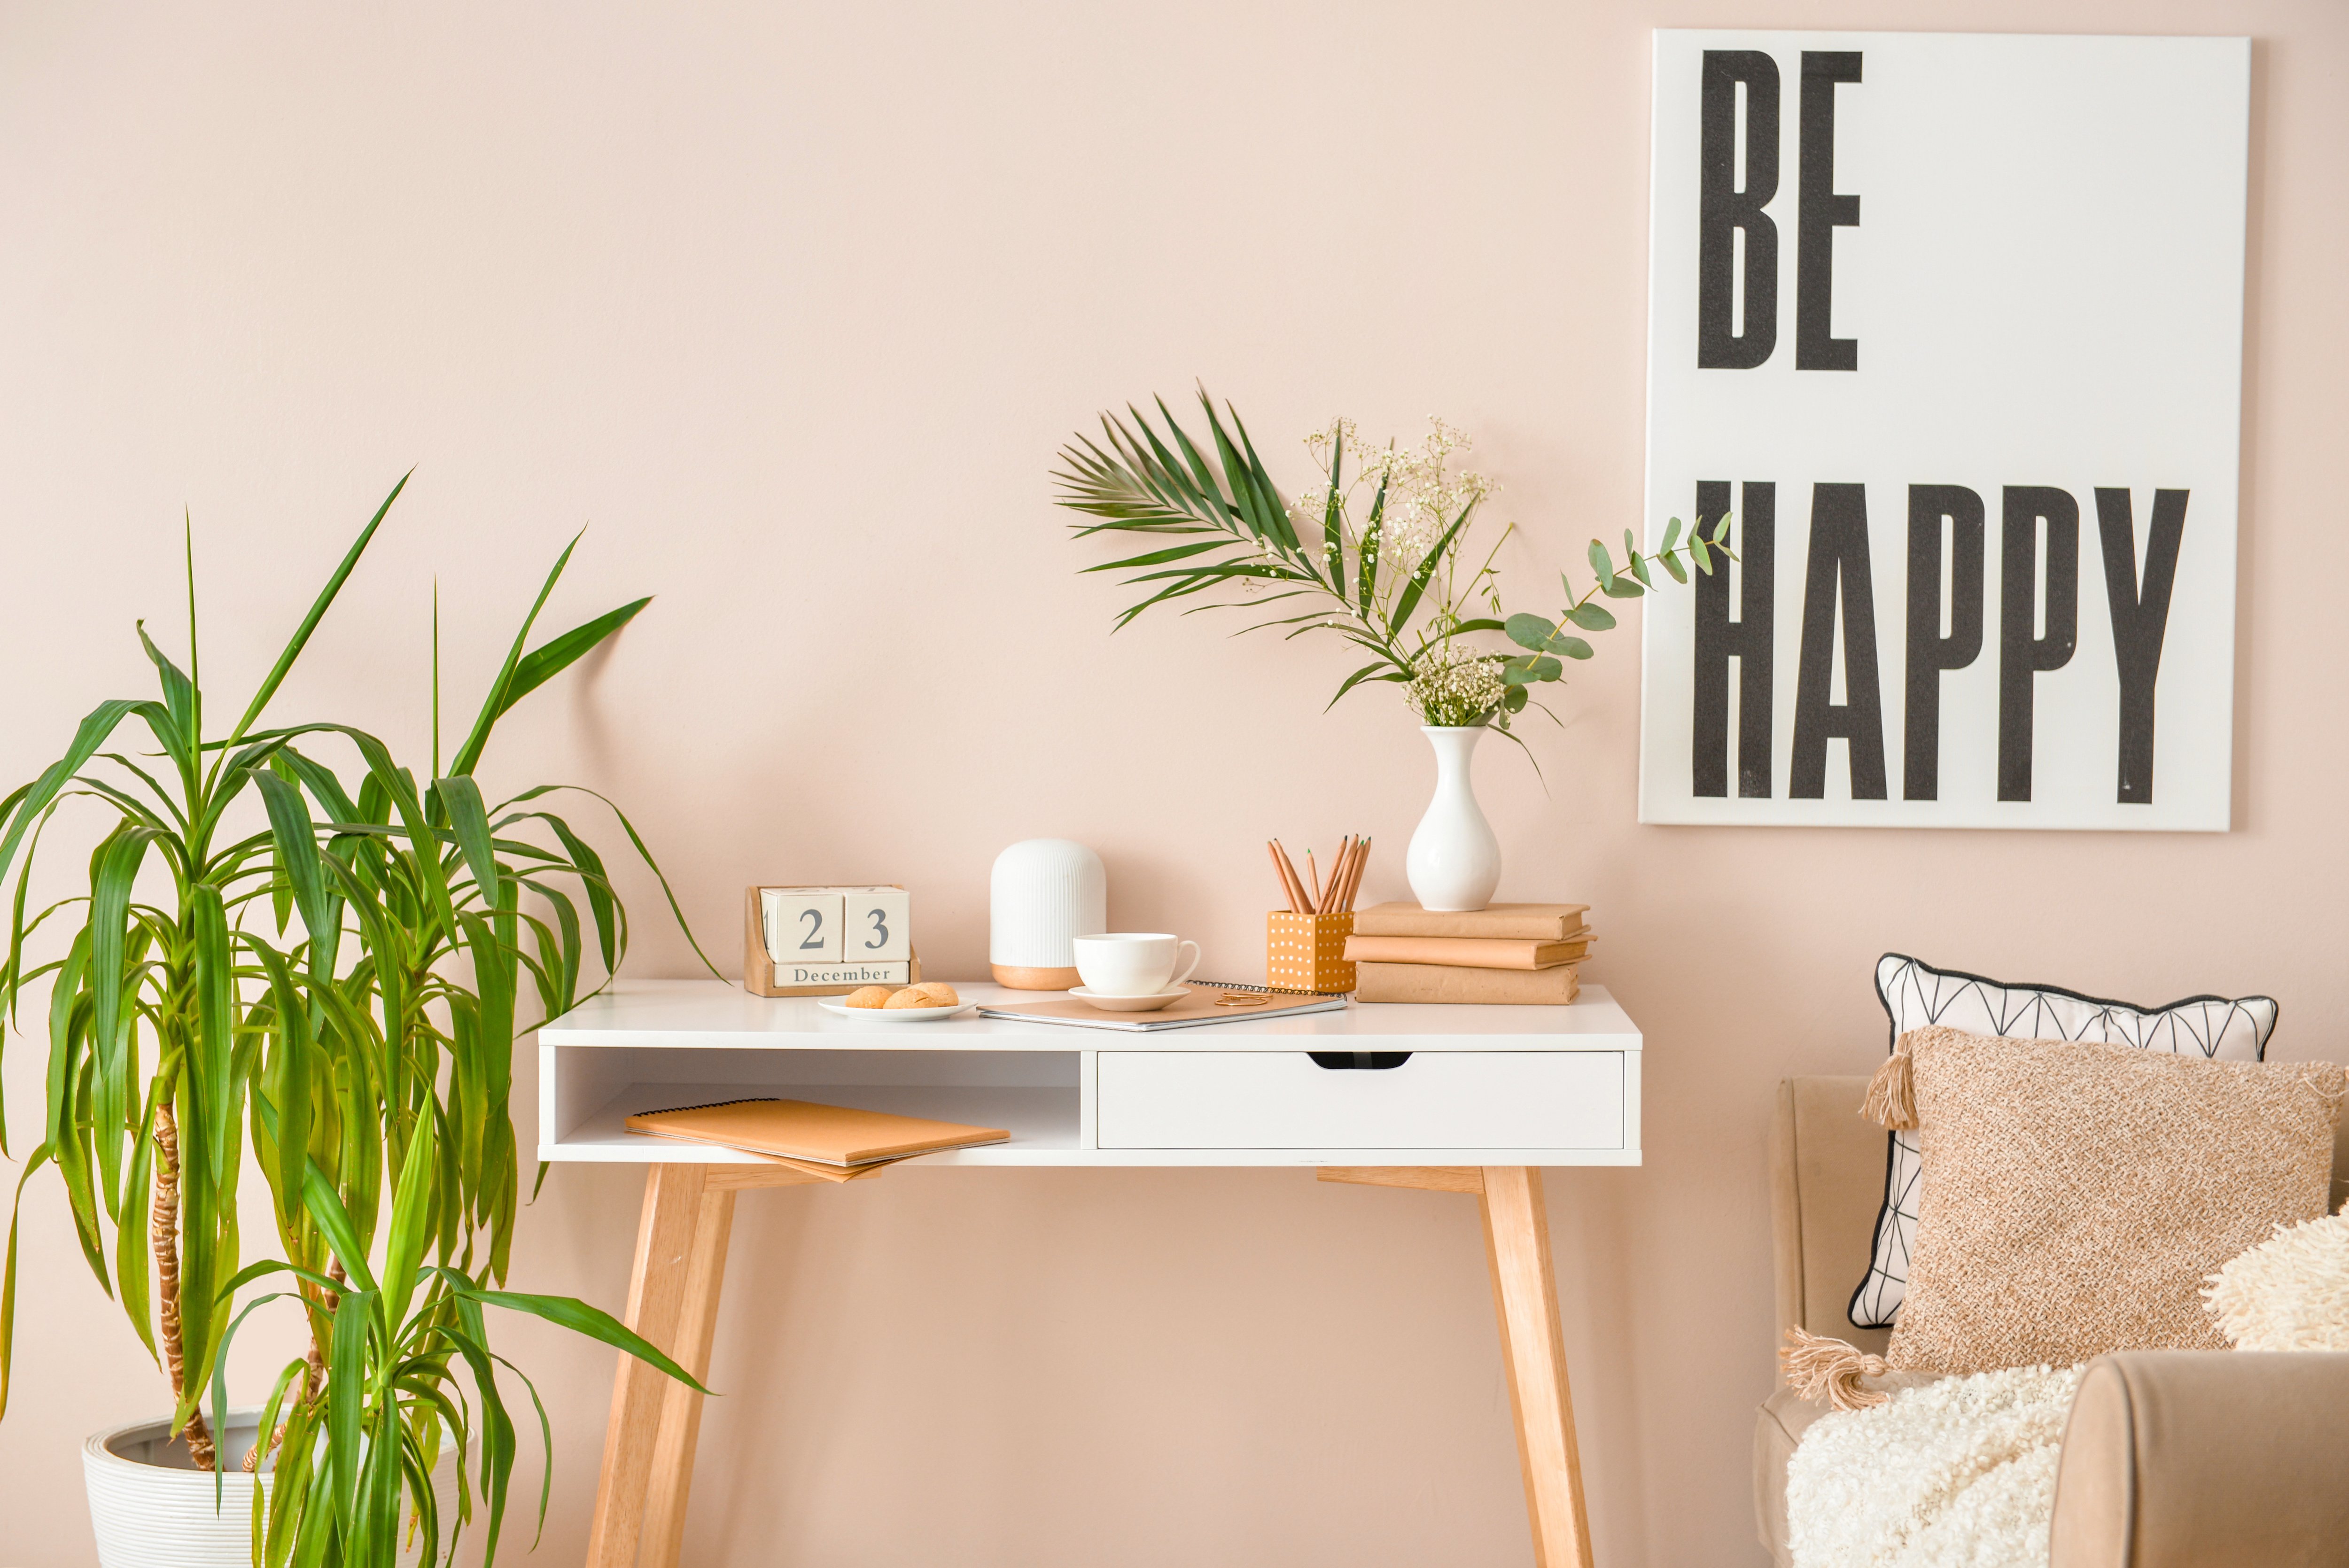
point(1468, 952)
point(1452, 983)
point(826, 1140)
point(1513, 922)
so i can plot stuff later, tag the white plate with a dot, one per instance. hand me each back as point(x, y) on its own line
point(1146, 1004)
point(897, 1014)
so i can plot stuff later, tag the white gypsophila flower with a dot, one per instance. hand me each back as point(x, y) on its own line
point(1424, 498)
point(1456, 688)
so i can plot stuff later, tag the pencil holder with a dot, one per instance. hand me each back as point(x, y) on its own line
point(1307, 952)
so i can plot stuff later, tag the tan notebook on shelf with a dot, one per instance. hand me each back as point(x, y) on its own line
point(1470, 952)
point(1553, 987)
point(1510, 921)
point(834, 1141)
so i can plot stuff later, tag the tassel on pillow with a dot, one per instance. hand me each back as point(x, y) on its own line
point(1891, 1100)
point(1819, 1368)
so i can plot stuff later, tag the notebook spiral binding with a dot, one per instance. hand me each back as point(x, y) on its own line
point(1259, 990)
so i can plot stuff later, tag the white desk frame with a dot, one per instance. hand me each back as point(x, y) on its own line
point(1500, 1092)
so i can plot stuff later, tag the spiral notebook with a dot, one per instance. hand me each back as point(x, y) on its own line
point(1210, 1002)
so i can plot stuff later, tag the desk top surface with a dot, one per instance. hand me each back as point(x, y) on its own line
point(711, 1013)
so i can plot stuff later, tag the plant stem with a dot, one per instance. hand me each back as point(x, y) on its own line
point(163, 1236)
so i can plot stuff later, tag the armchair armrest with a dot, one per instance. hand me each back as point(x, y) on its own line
point(2176, 1458)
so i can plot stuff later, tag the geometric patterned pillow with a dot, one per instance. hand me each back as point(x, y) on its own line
point(1915, 996)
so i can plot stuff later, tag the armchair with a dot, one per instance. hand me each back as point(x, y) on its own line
point(2172, 1458)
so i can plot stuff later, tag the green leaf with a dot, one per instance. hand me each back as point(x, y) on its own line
point(1530, 630)
point(567, 1312)
point(1640, 570)
point(347, 1400)
point(1602, 565)
point(32, 803)
point(8, 1273)
point(1631, 547)
point(1721, 529)
point(469, 755)
point(1621, 588)
point(113, 1093)
point(319, 607)
point(469, 819)
point(411, 1220)
point(1359, 675)
point(1671, 534)
point(1672, 565)
point(1592, 617)
point(554, 655)
point(1523, 673)
point(1572, 647)
point(1161, 557)
point(1701, 556)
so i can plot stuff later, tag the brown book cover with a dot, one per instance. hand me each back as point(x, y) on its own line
point(1511, 921)
point(800, 1131)
point(1450, 983)
point(1468, 952)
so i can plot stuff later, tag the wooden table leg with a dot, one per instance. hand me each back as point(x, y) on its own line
point(680, 1416)
point(656, 1294)
point(1525, 1297)
point(1524, 1294)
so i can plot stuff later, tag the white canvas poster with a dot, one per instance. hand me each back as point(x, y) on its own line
point(1952, 326)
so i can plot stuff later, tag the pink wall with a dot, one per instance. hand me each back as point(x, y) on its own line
point(794, 306)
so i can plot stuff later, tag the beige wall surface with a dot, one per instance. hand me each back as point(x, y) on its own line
point(793, 304)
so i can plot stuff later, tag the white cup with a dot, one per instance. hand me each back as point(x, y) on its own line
point(1133, 964)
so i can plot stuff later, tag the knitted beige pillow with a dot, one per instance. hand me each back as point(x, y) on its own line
point(2081, 1193)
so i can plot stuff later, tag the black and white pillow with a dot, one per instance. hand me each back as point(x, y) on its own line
point(1916, 995)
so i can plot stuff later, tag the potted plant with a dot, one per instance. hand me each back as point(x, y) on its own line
point(331, 997)
point(1396, 583)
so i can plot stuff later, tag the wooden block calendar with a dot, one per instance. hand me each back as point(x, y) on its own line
point(826, 940)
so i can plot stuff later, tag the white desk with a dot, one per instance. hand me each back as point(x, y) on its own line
point(1453, 1099)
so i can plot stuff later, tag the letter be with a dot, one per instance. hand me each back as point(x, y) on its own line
point(1725, 208)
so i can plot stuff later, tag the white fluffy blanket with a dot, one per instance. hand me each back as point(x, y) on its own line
point(1957, 1473)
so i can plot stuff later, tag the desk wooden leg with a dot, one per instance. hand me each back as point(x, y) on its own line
point(658, 1288)
point(680, 1416)
point(1525, 1296)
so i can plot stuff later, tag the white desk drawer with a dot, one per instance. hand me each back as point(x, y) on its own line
point(1436, 1099)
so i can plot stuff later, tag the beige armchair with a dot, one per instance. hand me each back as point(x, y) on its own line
point(2172, 1458)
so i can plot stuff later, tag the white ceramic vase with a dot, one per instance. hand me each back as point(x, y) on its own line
point(1454, 861)
point(150, 1507)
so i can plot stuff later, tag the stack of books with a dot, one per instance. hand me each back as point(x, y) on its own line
point(1502, 953)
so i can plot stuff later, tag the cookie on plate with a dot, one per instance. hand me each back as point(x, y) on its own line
point(866, 996)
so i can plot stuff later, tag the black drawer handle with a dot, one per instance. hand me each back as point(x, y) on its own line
point(1363, 1061)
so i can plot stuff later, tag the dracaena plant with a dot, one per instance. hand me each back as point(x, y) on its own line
point(339, 987)
point(1377, 557)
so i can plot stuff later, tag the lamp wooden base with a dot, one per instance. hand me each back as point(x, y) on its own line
point(680, 1262)
point(1020, 977)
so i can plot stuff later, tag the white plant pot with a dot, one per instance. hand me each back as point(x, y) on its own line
point(1454, 861)
point(151, 1508)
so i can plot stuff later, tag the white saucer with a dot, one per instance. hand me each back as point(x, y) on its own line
point(897, 1014)
point(1146, 1004)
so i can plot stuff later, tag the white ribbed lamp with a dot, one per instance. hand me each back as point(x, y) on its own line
point(1043, 894)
